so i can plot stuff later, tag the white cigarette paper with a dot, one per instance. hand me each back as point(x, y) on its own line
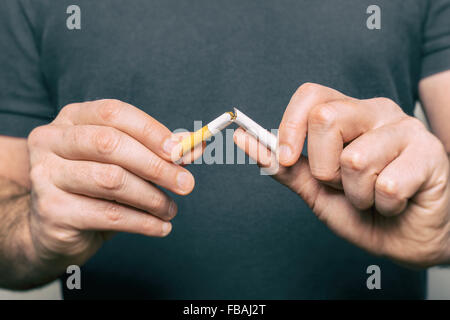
point(267, 138)
point(220, 123)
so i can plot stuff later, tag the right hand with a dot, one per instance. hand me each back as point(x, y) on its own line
point(93, 173)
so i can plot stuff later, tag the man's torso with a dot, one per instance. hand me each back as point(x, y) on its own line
point(239, 234)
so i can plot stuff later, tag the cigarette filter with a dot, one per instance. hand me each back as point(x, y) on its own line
point(267, 138)
point(206, 132)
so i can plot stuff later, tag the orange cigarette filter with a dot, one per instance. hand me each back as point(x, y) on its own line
point(206, 132)
point(195, 139)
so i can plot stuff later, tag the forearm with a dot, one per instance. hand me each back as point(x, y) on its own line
point(19, 267)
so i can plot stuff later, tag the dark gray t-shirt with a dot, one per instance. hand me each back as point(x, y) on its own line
point(239, 234)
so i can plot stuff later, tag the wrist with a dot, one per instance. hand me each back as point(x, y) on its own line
point(21, 267)
point(16, 248)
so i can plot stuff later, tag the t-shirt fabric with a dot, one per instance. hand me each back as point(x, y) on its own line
point(239, 234)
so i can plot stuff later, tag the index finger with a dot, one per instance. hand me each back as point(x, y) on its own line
point(293, 126)
point(124, 117)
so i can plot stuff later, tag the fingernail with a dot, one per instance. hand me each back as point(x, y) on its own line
point(184, 181)
point(166, 228)
point(168, 146)
point(172, 209)
point(284, 153)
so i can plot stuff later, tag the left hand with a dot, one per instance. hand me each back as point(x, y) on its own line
point(376, 176)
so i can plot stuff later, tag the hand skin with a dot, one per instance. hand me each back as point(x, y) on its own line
point(375, 176)
point(93, 172)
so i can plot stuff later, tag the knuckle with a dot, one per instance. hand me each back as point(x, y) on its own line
point(438, 156)
point(388, 187)
point(38, 135)
point(110, 177)
point(436, 145)
point(429, 143)
point(157, 202)
point(77, 136)
point(361, 198)
point(68, 242)
point(324, 175)
point(113, 213)
point(109, 109)
point(353, 160)
point(289, 125)
point(414, 124)
point(38, 173)
point(389, 105)
point(148, 129)
point(307, 89)
point(323, 115)
point(156, 167)
point(149, 224)
point(386, 102)
point(67, 110)
point(41, 205)
point(106, 140)
point(361, 203)
point(47, 206)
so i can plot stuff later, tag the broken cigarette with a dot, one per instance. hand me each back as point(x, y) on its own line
point(265, 137)
point(206, 132)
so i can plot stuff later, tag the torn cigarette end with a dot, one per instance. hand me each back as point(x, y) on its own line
point(233, 115)
point(265, 137)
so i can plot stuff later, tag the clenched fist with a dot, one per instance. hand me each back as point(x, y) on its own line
point(376, 176)
point(95, 171)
